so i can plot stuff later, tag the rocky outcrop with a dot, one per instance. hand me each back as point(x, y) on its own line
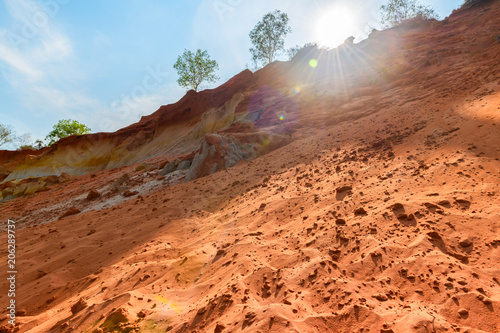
point(10, 159)
point(175, 165)
point(171, 126)
point(217, 118)
point(217, 152)
point(14, 189)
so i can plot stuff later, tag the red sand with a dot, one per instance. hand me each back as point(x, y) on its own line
point(378, 211)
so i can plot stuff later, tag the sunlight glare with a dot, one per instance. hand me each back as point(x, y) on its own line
point(334, 27)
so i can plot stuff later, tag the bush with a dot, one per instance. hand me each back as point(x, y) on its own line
point(399, 11)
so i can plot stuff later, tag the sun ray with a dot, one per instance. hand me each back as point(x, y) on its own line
point(334, 26)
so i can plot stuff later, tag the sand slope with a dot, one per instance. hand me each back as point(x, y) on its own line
point(376, 210)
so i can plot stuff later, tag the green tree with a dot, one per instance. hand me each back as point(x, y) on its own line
point(6, 135)
point(268, 37)
point(398, 11)
point(194, 68)
point(64, 128)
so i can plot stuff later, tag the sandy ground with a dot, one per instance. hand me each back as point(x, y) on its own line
point(385, 222)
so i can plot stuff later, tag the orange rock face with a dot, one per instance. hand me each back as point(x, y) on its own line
point(358, 196)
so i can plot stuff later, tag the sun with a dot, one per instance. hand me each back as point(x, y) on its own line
point(334, 26)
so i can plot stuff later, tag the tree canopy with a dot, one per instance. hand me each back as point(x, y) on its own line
point(64, 128)
point(195, 68)
point(268, 37)
point(396, 12)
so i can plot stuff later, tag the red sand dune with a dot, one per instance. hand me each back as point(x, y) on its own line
point(358, 196)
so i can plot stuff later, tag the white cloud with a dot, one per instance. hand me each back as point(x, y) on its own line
point(36, 61)
point(17, 62)
point(62, 100)
point(55, 47)
point(33, 40)
point(127, 110)
point(39, 65)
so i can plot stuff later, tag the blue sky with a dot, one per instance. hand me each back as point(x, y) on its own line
point(107, 63)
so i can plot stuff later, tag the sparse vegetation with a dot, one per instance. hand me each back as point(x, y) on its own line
point(268, 37)
point(6, 135)
point(292, 52)
point(37, 145)
point(396, 12)
point(471, 2)
point(24, 141)
point(195, 68)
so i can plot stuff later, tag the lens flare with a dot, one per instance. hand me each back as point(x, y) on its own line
point(282, 115)
point(168, 304)
point(313, 63)
point(294, 90)
point(273, 111)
